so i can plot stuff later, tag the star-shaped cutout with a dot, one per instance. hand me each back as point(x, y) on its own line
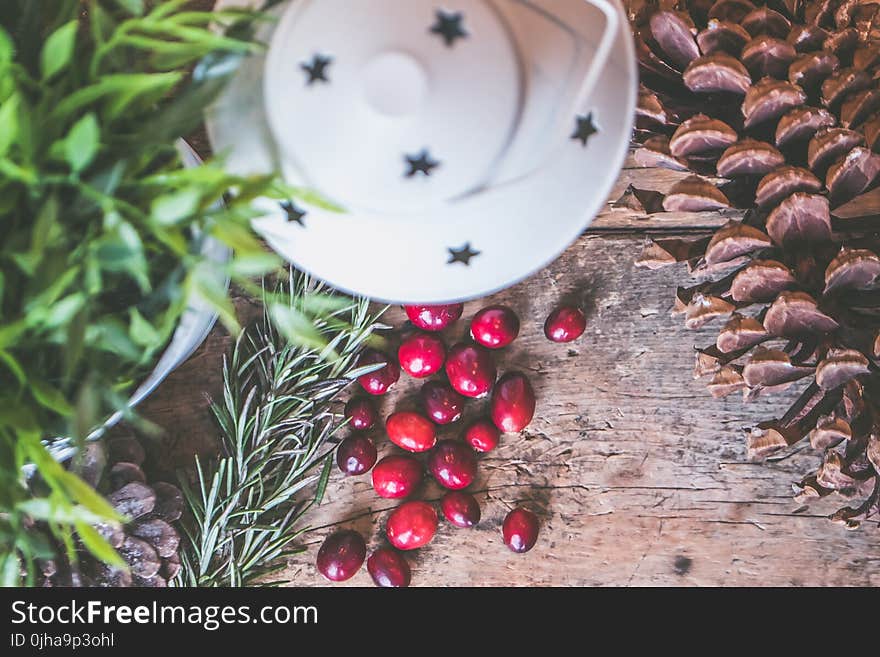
point(449, 27)
point(422, 163)
point(294, 214)
point(317, 69)
point(585, 128)
point(462, 255)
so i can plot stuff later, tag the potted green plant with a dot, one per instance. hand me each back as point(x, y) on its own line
point(101, 233)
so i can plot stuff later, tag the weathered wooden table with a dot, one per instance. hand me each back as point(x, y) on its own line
point(639, 476)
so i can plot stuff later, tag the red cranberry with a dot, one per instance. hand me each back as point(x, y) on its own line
point(380, 381)
point(421, 354)
point(495, 327)
point(482, 435)
point(411, 431)
point(396, 476)
point(513, 403)
point(453, 465)
point(565, 324)
point(520, 530)
point(389, 569)
point(441, 403)
point(361, 414)
point(434, 318)
point(341, 555)
point(471, 370)
point(356, 455)
point(411, 525)
point(460, 508)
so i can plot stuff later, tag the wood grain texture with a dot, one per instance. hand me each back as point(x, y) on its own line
point(640, 478)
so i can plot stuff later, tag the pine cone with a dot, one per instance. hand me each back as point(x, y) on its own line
point(148, 543)
point(780, 105)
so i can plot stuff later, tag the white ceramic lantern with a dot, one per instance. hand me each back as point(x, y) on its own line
point(466, 142)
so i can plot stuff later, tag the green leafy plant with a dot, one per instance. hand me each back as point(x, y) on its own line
point(101, 229)
point(276, 424)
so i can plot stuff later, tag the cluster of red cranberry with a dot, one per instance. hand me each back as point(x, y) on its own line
point(470, 373)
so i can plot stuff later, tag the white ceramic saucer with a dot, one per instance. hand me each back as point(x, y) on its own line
point(469, 141)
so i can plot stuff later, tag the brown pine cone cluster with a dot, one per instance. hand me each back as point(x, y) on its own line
point(148, 542)
point(775, 109)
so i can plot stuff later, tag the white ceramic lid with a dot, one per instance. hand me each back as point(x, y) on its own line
point(468, 143)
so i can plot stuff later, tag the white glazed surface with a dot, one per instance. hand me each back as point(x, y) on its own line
point(397, 250)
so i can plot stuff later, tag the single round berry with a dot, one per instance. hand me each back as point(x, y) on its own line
point(565, 324)
point(434, 318)
point(495, 327)
point(411, 431)
point(341, 555)
point(513, 403)
point(520, 530)
point(421, 354)
point(482, 435)
point(361, 414)
point(389, 569)
point(460, 508)
point(397, 476)
point(453, 464)
point(380, 381)
point(470, 370)
point(356, 454)
point(411, 525)
point(441, 403)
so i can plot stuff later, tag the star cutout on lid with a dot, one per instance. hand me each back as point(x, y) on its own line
point(422, 163)
point(585, 128)
point(449, 27)
point(294, 214)
point(317, 69)
point(462, 255)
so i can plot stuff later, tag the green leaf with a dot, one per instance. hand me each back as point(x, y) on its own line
point(41, 508)
point(135, 7)
point(7, 48)
point(254, 265)
point(62, 312)
point(82, 143)
point(8, 123)
point(50, 397)
point(98, 546)
point(296, 326)
point(10, 570)
point(14, 366)
point(206, 285)
point(172, 209)
point(141, 331)
point(88, 497)
point(58, 49)
point(323, 479)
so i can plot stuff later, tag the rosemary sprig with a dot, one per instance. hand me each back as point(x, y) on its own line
point(277, 425)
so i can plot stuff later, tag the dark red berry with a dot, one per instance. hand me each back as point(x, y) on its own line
point(411, 525)
point(434, 318)
point(421, 354)
point(565, 324)
point(411, 431)
point(341, 555)
point(441, 403)
point(453, 464)
point(520, 530)
point(482, 435)
point(460, 508)
point(495, 327)
point(361, 414)
point(470, 370)
point(513, 403)
point(356, 454)
point(389, 569)
point(397, 476)
point(380, 381)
